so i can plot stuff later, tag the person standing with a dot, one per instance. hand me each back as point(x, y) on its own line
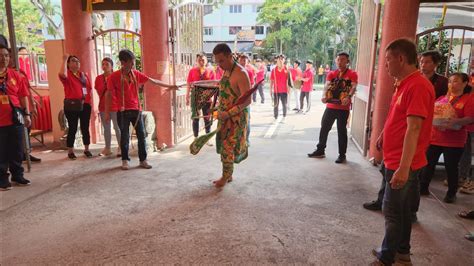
point(327, 69)
point(233, 113)
point(320, 74)
point(279, 86)
point(296, 75)
point(340, 86)
point(308, 78)
point(404, 145)
point(449, 139)
point(261, 71)
point(101, 88)
point(429, 62)
point(200, 72)
point(77, 102)
point(14, 114)
point(123, 91)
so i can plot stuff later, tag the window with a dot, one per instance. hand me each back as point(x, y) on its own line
point(235, 8)
point(208, 9)
point(234, 30)
point(259, 29)
point(254, 8)
point(208, 31)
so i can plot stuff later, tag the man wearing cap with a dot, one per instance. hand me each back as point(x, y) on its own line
point(296, 76)
point(308, 78)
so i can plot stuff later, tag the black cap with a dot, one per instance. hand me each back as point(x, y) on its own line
point(309, 62)
point(298, 62)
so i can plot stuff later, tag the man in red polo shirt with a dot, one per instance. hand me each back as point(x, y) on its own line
point(338, 90)
point(200, 72)
point(279, 85)
point(123, 95)
point(307, 88)
point(404, 145)
point(14, 108)
point(259, 76)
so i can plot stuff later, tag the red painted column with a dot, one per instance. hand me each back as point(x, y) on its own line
point(154, 30)
point(78, 41)
point(399, 21)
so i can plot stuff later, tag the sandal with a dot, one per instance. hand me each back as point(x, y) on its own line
point(466, 214)
point(88, 154)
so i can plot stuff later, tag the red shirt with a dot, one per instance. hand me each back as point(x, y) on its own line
point(130, 100)
point(349, 76)
point(260, 73)
point(296, 72)
point(73, 88)
point(251, 71)
point(100, 86)
point(464, 107)
point(280, 78)
point(414, 96)
point(219, 73)
point(25, 66)
point(308, 85)
point(196, 75)
point(15, 89)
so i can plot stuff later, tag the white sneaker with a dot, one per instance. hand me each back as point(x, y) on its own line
point(144, 164)
point(125, 165)
point(105, 152)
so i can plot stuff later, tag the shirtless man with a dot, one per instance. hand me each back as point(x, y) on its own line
point(231, 138)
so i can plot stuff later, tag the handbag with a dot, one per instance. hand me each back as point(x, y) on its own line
point(17, 113)
point(76, 105)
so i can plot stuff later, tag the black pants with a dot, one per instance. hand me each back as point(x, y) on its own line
point(306, 95)
point(133, 117)
point(207, 120)
point(83, 117)
point(260, 91)
point(11, 152)
point(277, 97)
point(451, 161)
point(329, 116)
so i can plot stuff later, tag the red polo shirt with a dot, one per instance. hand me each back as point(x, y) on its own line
point(195, 74)
point(100, 86)
point(73, 88)
point(251, 71)
point(15, 89)
point(414, 96)
point(260, 73)
point(308, 85)
point(280, 79)
point(464, 107)
point(130, 90)
point(349, 76)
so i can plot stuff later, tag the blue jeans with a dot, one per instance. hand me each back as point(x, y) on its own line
point(11, 152)
point(397, 207)
point(126, 118)
point(107, 131)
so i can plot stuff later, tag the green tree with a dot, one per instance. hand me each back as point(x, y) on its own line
point(49, 12)
point(28, 25)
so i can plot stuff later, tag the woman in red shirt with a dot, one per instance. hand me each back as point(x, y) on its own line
point(100, 86)
point(449, 138)
point(77, 86)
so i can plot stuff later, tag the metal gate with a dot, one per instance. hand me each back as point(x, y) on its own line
point(454, 43)
point(186, 40)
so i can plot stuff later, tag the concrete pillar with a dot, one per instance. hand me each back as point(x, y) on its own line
point(155, 61)
point(399, 21)
point(78, 41)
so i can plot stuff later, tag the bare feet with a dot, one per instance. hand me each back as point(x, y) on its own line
point(221, 182)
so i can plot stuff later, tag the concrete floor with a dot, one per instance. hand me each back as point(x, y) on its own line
point(282, 208)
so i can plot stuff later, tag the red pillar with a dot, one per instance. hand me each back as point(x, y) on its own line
point(78, 41)
point(155, 58)
point(399, 21)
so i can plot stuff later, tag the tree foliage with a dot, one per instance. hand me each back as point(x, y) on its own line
point(28, 25)
point(311, 29)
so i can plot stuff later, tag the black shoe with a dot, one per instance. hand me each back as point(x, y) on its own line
point(262, 102)
point(35, 159)
point(71, 156)
point(5, 184)
point(21, 181)
point(424, 192)
point(450, 199)
point(414, 218)
point(341, 159)
point(88, 154)
point(373, 206)
point(317, 154)
point(295, 109)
